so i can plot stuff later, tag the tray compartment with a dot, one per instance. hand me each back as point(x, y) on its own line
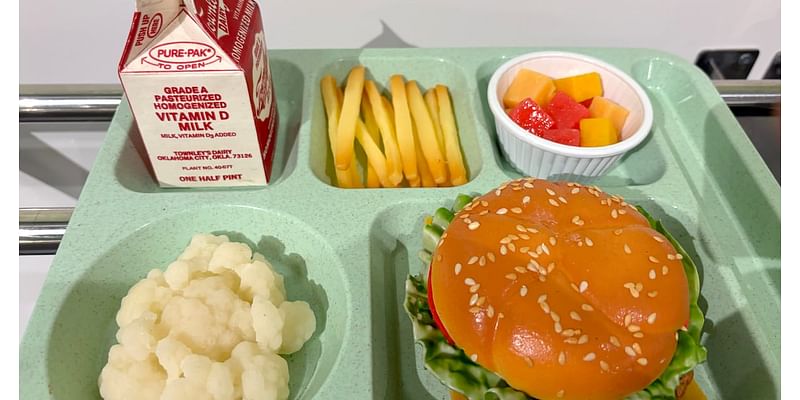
point(84, 326)
point(427, 71)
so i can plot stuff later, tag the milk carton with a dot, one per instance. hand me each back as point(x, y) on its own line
point(197, 79)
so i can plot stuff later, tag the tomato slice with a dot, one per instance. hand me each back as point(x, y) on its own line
point(436, 319)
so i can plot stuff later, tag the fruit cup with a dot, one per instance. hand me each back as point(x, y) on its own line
point(538, 157)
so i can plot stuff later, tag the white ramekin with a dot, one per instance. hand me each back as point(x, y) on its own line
point(538, 157)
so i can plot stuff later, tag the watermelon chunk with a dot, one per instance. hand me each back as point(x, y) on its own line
point(531, 117)
point(566, 112)
point(570, 137)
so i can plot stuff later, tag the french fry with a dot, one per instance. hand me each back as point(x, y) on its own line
point(346, 130)
point(433, 110)
point(384, 118)
point(331, 97)
point(402, 121)
point(424, 172)
point(425, 133)
point(374, 156)
point(372, 127)
point(455, 161)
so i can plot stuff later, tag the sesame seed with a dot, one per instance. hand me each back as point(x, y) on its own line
point(629, 351)
point(474, 357)
point(679, 256)
point(458, 268)
point(481, 300)
point(589, 357)
point(482, 261)
point(462, 216)
point(562, 358)
point(552, 240)
point(638, 335)
point(670, 257)
point(634, 293)
point(523, 290)
point(520, 228)
point(524, 236)
point(550, 192)
point(658, 239)
point(614, 341)
point(568, 332)
point(574, 190)
point(490, 312)
point(528, 361)
point(627, 320)
point(654, 293)
point(555, 316)
point(589, 242)
point(604, 365)
point(634, 328)
point(474, 225)
point(516, 210)
point(587, 307)
point(551, 267)
point(571, 340)
point(562, 199)
point(574, 315)
point(528, 185)
point(653, 259)
point(627, 249)
point(472, 260)
point(545, 249)
point(560, 393)
point(512, 247)
point(557, 327)
point(545, 307)
point(512, 276)
point(503, 250)
point(501, 211)
point(614, 213)
point(580, 244)
point(467, 221)
point(651, 319)
point(526, 199)
point(482, 213)
point(639, 286)
point(474, 310)
point(485, 203)
point(584, 285)
point(469, 282)
point(520, 269)
point(652, 274)
point(622, 211)
point(603, 202)
point(505, 240)
point(637, 348)
point(532, 230)
point(524, 249)
point(513, 237)
point(500, 316)
point(628, 285)
point(474, 288)
point(583, 339)
point(642, 361)
point(473, 300)
point(552, 202)
point(664, 270)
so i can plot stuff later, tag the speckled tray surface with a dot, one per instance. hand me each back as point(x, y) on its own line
point(347, 252)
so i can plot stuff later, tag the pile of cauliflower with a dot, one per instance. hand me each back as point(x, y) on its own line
point(211, 326)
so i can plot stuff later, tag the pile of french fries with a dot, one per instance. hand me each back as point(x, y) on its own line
point(410, 141)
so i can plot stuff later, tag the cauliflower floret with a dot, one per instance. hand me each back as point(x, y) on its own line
point(267, 323)
point(209, 327)
point(145, 296)
point(229, 256)
point(299, 324)
point(258, 278)
point(123, 377)
point(138, 336)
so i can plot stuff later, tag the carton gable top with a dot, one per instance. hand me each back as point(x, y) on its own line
point(180, 44)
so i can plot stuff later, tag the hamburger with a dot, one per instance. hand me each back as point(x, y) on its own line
point(555, 290)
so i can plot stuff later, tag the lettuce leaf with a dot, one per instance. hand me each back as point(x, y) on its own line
point(458, 372)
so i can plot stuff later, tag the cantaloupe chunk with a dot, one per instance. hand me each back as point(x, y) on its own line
point(581, 87)
point(597, 132)
point(539, 87)
point(604, 108)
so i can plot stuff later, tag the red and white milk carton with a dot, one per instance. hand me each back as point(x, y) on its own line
point(197, 79)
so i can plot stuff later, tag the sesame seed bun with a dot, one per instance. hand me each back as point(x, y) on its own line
point(561, 289)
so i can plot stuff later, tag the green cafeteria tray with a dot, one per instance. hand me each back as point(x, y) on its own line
point(347, 252)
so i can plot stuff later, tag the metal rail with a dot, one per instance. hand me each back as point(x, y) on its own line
point(41, 229)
